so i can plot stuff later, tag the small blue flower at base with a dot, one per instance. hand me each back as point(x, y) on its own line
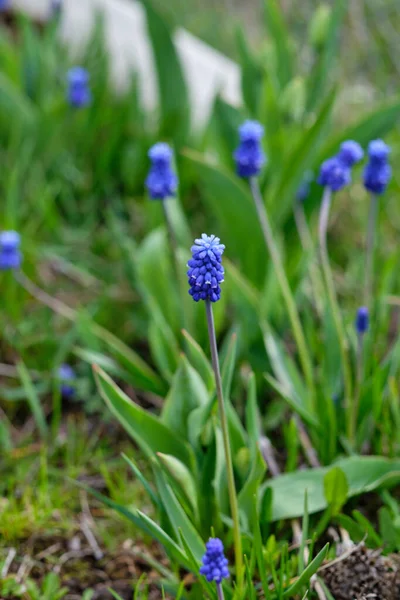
point(334, 174)
point(206, 273)
point(66, 376)
point(79, 94)
point(214, 564)
point(161, 181)
point(378, 171)
point(249, 156)
point(10, 255)
point(362, 320)
point(350, 153)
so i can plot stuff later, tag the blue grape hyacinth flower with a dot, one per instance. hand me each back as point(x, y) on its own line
point(362, 320)
point(4, 5)
point(10, 255)
point(214, 564)
point(206, 273)
point(378, 171)
point(249, 156)
point(66, 375)
point(334, 174)
point(350, 153)
point(161, 181)
point(79, 94)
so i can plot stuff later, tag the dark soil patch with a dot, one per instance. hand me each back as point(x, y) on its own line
point(362, 574)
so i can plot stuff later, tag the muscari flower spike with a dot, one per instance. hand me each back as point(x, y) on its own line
point(214, 564)
point(362, 320)
point(4, 5)
point(350, 153)
point(249, 155)
point(67, 376)
point(10, 255)
point(378, 171)
point(334, 174)
point(161, 181)
point(206, 273)
point(79, 94)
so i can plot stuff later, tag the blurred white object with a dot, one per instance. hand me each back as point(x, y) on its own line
point(207, 71)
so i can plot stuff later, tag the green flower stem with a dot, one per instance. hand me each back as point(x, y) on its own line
point(357, 392)
point(308, 247)
point(369, 251)
point(334, 306)
point(220, 591)
point(227, 448)
point(173, 245)
point(285, 289)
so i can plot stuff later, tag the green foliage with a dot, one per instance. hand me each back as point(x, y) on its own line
point(72, 185)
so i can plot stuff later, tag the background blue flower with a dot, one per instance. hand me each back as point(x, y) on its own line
point(66, 375)
point(334, 174)
point(161, 181)
point(378, 171)
point(249, 155)
point(10, 255)
point(362, 320)
point(79, 94)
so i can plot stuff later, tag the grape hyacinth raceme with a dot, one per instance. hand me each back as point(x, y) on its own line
point(249, 155)
point(206, 272)
point(362, 320)
point(67, 376)
point(4, 5)
point(335, 172)
point(378, 171)
point(79, 94)
point(250, 158)
point(214, 564)
point(377, 174)
point(161, 181)
point(350, 153)
point(10, 255)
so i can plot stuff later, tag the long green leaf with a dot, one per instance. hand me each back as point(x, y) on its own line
point(363, 473)
point(177, 516)
point(307, 573)
point(322, 74)
point(372, 125)
point(146, 429)
point(276, 27)
point(187, 393)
